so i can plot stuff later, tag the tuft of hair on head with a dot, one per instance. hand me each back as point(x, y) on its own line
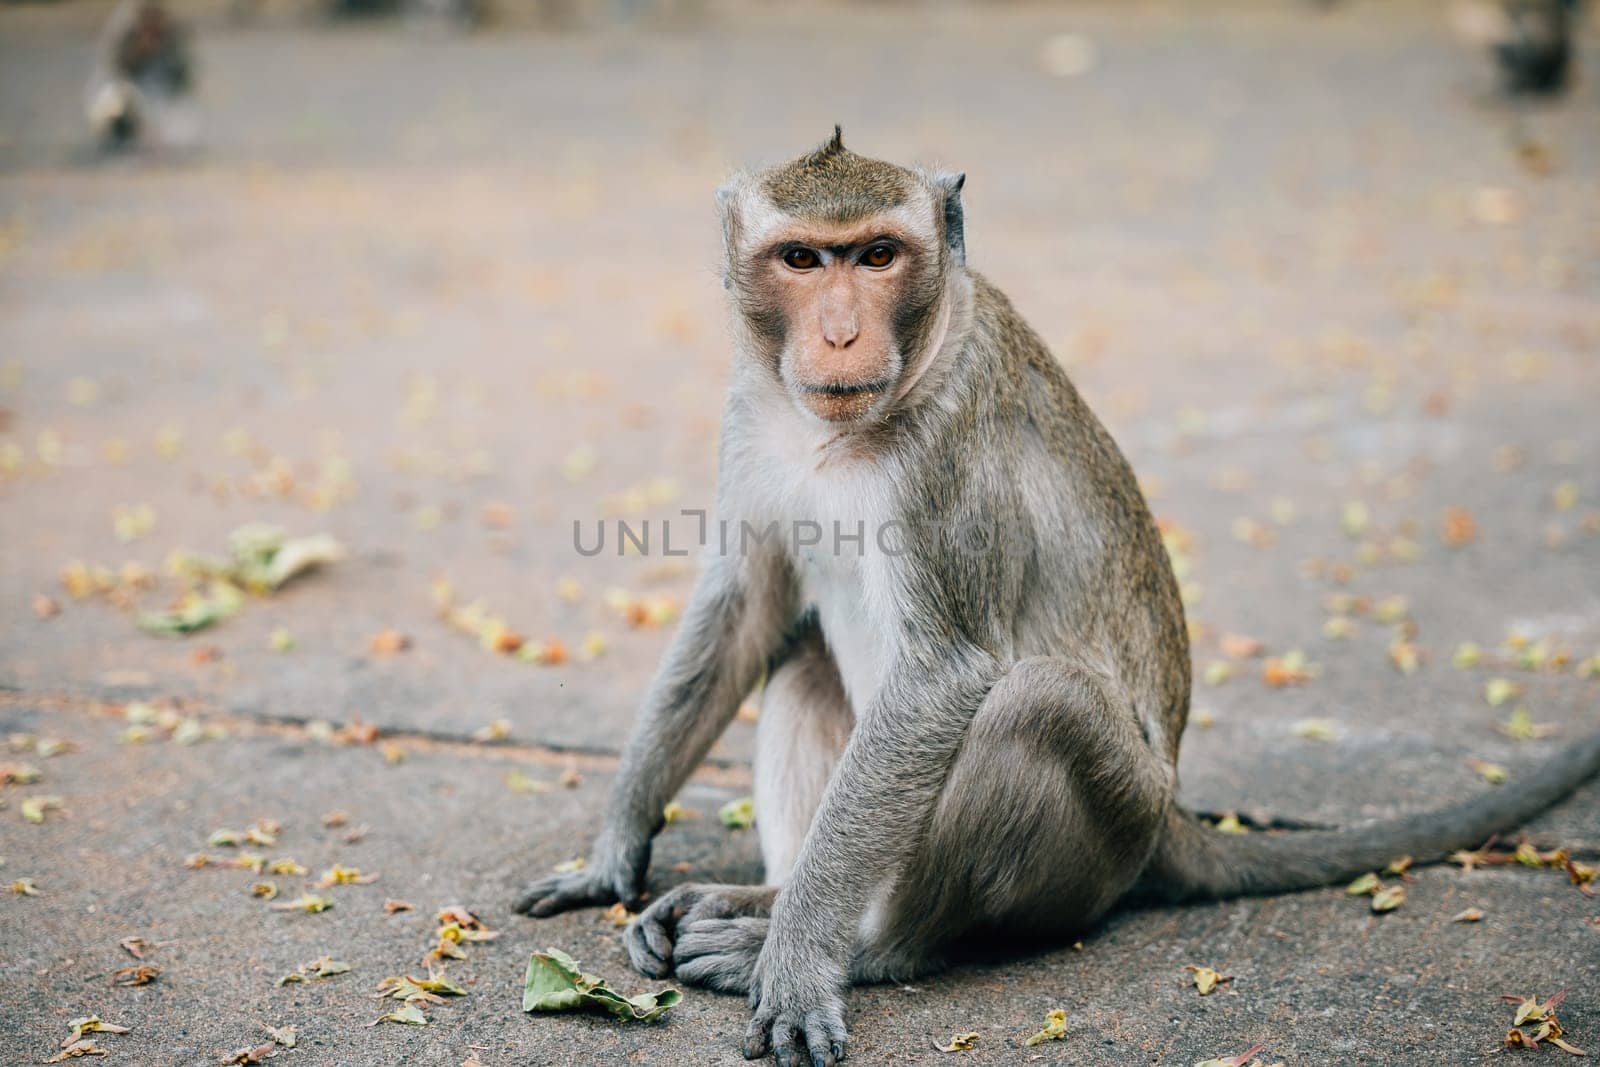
point(834, 184)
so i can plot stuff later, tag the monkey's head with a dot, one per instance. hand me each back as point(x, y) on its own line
point(840, 269)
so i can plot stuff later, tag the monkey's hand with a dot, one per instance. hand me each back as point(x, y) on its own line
point(602, 880)
point(798, 1008)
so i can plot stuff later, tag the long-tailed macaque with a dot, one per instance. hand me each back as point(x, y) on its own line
point(969, 730)
point(143, 63)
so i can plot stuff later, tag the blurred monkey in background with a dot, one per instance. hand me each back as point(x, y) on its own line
point(1531, 41)
point(1534, 47)
point(142, 85)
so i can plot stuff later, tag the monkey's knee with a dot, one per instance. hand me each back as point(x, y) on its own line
point(1048, 815)
point(1084, 735)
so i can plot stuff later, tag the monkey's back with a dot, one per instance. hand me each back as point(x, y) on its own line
point(1099, 584)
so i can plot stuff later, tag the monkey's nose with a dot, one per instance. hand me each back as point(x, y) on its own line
point(840, 334)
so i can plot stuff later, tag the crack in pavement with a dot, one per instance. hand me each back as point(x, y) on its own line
point(247, 723)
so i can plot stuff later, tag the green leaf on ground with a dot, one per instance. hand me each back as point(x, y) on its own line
point(555, 982)
point(738, 814)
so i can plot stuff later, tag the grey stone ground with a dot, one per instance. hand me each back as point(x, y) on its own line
point(1286, 254)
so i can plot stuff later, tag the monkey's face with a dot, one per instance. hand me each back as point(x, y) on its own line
point(838, 266)
point(841, 295)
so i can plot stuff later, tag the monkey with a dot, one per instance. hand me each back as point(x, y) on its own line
point(961, 742)
point(1534, 46)
point(142, 63)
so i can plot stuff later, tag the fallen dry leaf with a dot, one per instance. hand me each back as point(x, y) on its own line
point(306, 902)
point(90, 1024)
point(519, 782)
point(1316, 729)
point(1206, 979)
point(429, 990)
point(1055, 1028)
point(133, 976)
point(388, 642)
point(337, 875)
point(322, 967)
point(33, 809)
point(497, 730)
point(1238, 646)
point(282, 1035)
point(250, 1054)
point(1367, 884)
point(1530, 1010)
point(1492, 773)
point(1388, 898)
point(1457, 528)
point(738, 814)
point(1521, 727)
point(959, 1042)
point(1291, 668)
point(1499, 690)
point(1232, 1061)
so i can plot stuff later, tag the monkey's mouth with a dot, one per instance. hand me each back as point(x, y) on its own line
point(842, 401)
point(846, 388)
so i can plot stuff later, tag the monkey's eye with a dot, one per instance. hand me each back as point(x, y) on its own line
point(878, 256)
point(802, 258)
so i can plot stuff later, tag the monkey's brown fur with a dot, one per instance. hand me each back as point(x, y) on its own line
point(833, 184)
point(955, 746)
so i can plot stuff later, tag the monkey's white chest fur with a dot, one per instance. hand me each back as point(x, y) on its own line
point(841, 590)
point(833, 521)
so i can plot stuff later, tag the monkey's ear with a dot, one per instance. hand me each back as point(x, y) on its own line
point(728, 213)
point(948, 187)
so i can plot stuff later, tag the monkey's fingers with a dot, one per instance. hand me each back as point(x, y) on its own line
point(649, 937)
point(758, 1035)
point(563, 892)
point(816, 1039)
point(649, 947)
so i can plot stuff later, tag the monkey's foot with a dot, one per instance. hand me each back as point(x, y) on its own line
point(720, 954)
point(650, 938)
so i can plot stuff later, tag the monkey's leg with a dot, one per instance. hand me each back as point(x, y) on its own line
point(1047, 818)
point(805, 722)
point(1049, 814)
point(711, 935)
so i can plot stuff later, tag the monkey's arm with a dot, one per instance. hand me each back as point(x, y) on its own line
point(878, 805)
point(734, 621)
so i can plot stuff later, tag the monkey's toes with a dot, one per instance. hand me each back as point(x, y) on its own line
point(720, 954)
point(649, 946)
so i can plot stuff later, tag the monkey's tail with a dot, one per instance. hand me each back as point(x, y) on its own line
point(1195, 862)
